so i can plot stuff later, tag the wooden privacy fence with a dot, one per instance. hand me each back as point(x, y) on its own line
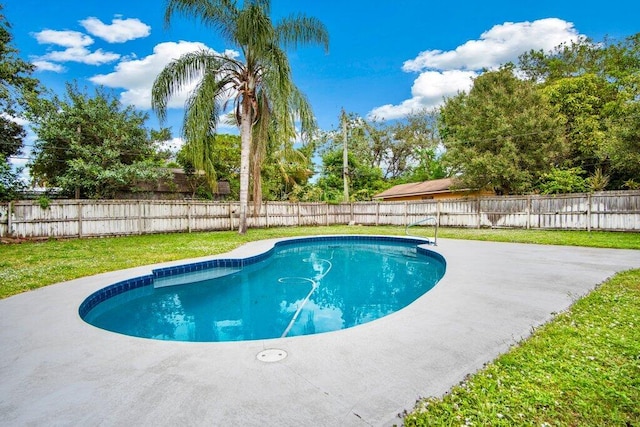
point(92, 218)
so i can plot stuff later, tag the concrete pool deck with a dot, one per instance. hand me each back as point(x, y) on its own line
point(55, 369)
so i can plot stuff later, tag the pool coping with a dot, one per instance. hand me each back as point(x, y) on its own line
point(56, 369)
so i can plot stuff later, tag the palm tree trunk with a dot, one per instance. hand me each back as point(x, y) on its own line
point(256, 175)
point(245, 152)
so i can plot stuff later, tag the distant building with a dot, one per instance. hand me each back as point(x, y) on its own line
point(178, 185)
point(436, 189)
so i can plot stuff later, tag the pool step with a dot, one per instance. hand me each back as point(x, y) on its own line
point(193, 277)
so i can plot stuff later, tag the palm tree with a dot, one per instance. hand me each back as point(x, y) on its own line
point(265, 101)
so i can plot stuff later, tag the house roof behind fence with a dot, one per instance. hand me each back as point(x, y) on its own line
point(434, 186)
point(179, 182)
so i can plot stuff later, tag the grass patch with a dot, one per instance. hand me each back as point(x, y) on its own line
point(582, 368)
point(595, 239)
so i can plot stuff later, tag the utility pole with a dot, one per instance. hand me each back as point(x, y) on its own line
point(345, 158)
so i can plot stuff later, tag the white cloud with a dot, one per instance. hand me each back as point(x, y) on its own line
point(19, 120)
point(76, 49)
point(81, 55)
point(445, 73)
point(428, 92)
point(119, 31)
point(501, 44)
point(48, 66)
point(433, 85)
point(63, 38)
point(390, 111)
point(136, 76)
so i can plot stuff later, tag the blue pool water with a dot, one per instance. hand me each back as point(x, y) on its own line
point(302, 286)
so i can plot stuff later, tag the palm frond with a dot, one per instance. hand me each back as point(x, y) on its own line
point(297, 30)
point(200, 120)
point(253, 31)
point(179, 75)
point(278, 87)
point(218, 14)
point(263, 4)
point(300, 104)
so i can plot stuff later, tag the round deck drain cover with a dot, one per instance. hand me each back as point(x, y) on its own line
point(271, 355)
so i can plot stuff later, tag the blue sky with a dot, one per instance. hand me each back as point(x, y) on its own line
point(385, 58)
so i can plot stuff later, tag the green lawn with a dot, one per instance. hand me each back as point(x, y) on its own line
point(583, 368)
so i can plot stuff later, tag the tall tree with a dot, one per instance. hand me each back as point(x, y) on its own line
point(89, 145)
point(286, 168)
point(416, 157)
point(565, 60)
point(364, 180)
point(582, 103)
point(500, 135)
point(265, 100)
point(623, 145)
point(614, 61)
point(395, 149)
point(16, 85)
point(595, 89)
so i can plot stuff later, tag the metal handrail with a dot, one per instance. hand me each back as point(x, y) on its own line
point(427, 219)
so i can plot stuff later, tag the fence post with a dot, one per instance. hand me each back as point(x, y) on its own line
point(10, 219)
point(298, 214)
point(266, 214)
point(479, 220)
point(230, 217)
point(377, 213)
point(326, 208)
point(406, 213)
point(438, 212)
point(589, 212)
point(188, 216)
point(351, 220)
point(79, 219)
point(139, 217)
point(528, 212)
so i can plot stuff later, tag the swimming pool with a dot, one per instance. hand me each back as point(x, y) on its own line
point(301, 286)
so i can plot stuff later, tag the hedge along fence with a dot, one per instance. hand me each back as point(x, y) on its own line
point(618, 210)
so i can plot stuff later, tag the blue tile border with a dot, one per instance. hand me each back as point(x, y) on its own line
point(112, 290)
point(126, 285)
